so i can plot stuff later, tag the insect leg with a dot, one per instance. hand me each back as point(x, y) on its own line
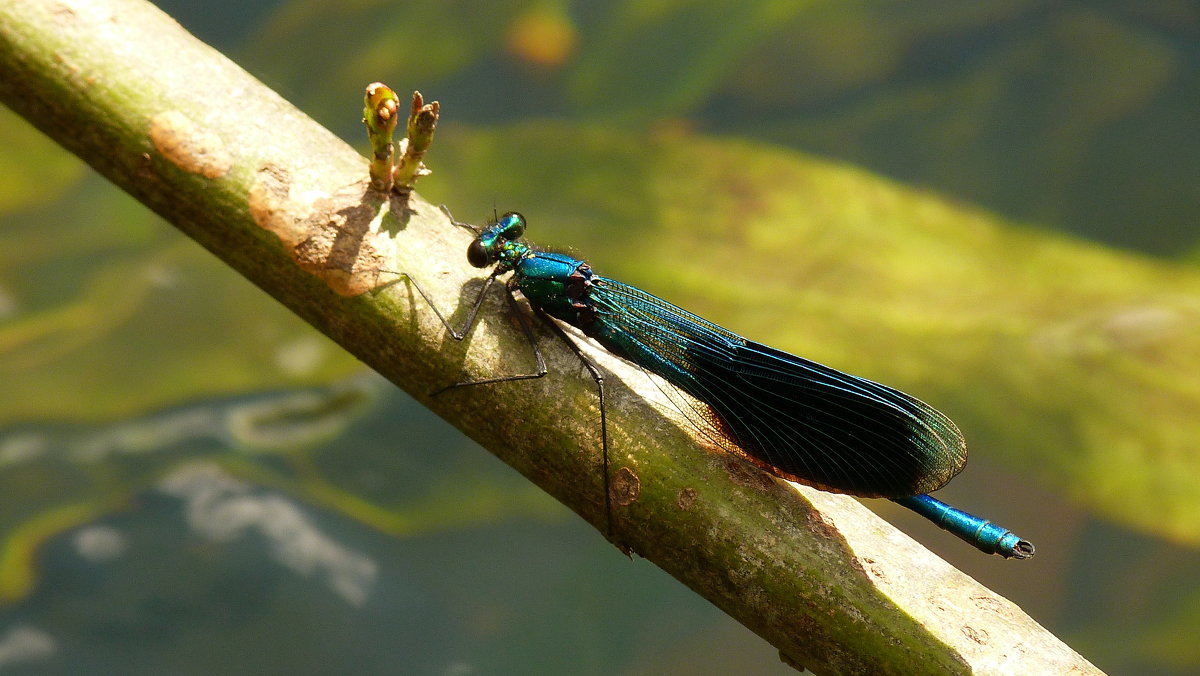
point(470, 322)
point(541, 371)
point(599, 378)
point(537, 352)
point(446, 210)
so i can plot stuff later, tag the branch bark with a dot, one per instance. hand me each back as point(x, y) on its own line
point(260, 185)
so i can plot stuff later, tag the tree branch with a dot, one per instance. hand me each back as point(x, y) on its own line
point(262, 186)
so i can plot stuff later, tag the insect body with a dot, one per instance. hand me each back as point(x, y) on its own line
point(792, 417)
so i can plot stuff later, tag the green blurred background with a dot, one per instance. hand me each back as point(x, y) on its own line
point(991, 205)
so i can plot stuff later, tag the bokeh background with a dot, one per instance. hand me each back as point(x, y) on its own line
point(992, 205)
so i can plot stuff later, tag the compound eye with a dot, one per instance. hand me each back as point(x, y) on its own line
point(511, 226)
point(477, 255)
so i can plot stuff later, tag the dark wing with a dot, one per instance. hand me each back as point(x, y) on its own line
point(794, 417)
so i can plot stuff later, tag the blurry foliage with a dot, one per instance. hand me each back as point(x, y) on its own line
point(96, 279)
point(1081, 115)
point(34, 171)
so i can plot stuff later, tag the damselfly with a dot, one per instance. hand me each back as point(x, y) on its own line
point(792, 417)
